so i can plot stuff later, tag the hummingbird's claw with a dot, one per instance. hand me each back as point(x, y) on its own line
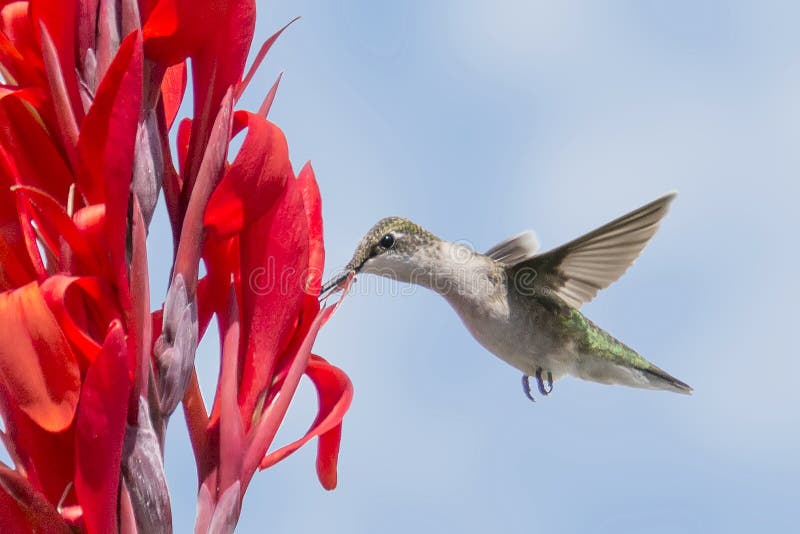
point(526, 387)
point(540, 382)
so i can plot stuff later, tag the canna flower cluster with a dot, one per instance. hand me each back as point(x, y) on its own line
point(89, 374)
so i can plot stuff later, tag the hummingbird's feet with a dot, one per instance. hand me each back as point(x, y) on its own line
point(526, 387)
point(540, 382)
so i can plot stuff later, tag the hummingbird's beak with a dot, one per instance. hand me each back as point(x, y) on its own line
point(335, 283)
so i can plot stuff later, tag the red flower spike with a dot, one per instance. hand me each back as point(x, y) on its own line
point(38, 368)
point(100, 429)
point(85, 121)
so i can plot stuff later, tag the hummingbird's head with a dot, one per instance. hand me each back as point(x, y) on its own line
point(388, 249)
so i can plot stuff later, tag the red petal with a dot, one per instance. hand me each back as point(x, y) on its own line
point(183, 138)
point(274, 257)
point(254, 180)
point(262, 52)
point(231, 429)
point(59, 18)
point(38, 161)
point(139, 319)
point(100, 429)
point(37, 366)
point(216, 67)
point(313, 205)
point(19, 50)
point(106, 147)
point(109, 131)
point(173, 88)
point(25, 509)
point(266, 105)
point(176, 28)
point(335, 395)
point(60, 97)
point(55, 224)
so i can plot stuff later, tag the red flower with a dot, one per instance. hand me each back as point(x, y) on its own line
point(88, 375)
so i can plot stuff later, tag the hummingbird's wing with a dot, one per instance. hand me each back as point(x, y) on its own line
point(582, 267)
point(515, 249)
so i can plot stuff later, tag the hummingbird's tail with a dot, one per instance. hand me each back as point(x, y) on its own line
point(605, 359)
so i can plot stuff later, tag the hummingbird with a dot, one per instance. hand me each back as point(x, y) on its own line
point(524, 306)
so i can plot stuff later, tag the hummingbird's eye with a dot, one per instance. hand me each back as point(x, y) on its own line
point(387, 241)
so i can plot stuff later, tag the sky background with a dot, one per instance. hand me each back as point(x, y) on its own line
point(479, 119)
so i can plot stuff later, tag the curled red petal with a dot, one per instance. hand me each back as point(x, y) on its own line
point(100, 430)
point(37, 366)
point(335, 391)
point(82, 306)
point(261, 436)
point(328, 457)
point(254, 180)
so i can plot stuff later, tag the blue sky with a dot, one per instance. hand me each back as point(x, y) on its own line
point(480, 119)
